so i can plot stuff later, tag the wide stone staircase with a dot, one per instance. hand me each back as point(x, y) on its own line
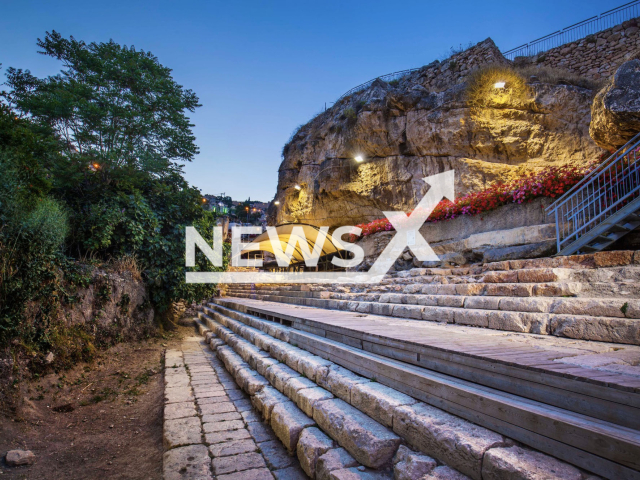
point(587, 297)
point(519, 369)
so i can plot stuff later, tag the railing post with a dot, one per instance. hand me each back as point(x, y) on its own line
point(557, 232)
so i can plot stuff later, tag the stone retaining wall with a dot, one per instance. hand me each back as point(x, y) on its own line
point(595, 56)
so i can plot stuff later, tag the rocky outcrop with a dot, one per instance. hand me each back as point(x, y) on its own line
point(420, 126)
point(616, 109)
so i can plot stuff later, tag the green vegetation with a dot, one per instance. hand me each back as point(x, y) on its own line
point(90, 168)
point(481, 86)
point(481, 82)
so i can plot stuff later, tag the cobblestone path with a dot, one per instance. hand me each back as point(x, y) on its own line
point(210, 428)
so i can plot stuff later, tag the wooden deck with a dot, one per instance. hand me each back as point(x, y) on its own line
point(514, 384)
point(523, 364)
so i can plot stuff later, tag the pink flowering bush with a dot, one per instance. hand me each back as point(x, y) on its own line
point(550, 182)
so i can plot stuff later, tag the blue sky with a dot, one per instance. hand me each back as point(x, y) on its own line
point(261, 68)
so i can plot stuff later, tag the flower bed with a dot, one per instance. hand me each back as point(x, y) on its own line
point(550, 182)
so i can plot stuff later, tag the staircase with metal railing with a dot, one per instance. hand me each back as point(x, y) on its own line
point(603, 207)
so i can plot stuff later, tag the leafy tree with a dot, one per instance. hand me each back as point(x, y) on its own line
point(112, 105)
point(119, 123)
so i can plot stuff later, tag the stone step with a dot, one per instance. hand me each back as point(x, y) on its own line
point(598, 307)
point(414, 341)
point(346, 423)
point(618, 329)
point(425, 427)
point(301, 429)
point(604, 289)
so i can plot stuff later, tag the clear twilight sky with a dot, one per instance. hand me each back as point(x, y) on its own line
point(261, 68)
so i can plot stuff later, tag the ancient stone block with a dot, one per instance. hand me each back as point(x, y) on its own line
point(181, 431)
point(279, 375)
point(179, 410)
point(340, 381)
point(237, 463)
point(408, 465)
point(369, 442)
point(266, 399)
point(311, 445)
point(444, 473)
point(516, 463)
point(308, 397)
point(233, 447)
point(287, 422)
point(189, 462)
point(335, 459)
point(445, 437)
point(378, 401)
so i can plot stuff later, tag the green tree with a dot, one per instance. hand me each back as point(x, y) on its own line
point(112, 106)
point(123, 130)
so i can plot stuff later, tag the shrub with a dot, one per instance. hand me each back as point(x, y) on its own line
point(481, 90)
point(349, 113)
point(47, 224)
point(550, 182)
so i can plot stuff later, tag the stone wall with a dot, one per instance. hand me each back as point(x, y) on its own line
point(508, 232)
point(438, 76)
point(595, 56)
point(116, 302)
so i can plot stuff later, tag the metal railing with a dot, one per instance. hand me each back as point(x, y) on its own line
point(579, 30)
point(389, 77)
point(606, 190)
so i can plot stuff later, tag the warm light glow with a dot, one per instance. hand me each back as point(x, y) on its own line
point(96, 166)
point(276, 203)
point(297, 187)
point(246, 208)
point(499, 85)
point(359, 159)
point(204, 200)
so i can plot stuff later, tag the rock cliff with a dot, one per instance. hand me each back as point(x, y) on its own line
point(423, 124)
point(616, 108)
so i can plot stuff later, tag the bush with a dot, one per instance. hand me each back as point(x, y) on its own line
point(481, 90)
point(550, 182)
point(47, 225)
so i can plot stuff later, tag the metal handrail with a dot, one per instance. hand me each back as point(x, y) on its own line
point(622, 151)
point(592, 25)
point(579, 30)
point(387, 78)
point(598, 196)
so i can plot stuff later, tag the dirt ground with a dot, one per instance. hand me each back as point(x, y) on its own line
point(96, 421)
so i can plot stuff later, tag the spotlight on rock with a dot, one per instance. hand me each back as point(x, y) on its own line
point(297, 187)
point(499, 85)
point(359, 159)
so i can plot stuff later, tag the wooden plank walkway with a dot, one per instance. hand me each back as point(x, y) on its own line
point(543, 409)
point(523, 364)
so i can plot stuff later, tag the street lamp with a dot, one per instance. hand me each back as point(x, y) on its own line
point(247, 209)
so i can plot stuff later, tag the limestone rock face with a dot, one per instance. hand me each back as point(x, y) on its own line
point(420, 126)
point(616, 109)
